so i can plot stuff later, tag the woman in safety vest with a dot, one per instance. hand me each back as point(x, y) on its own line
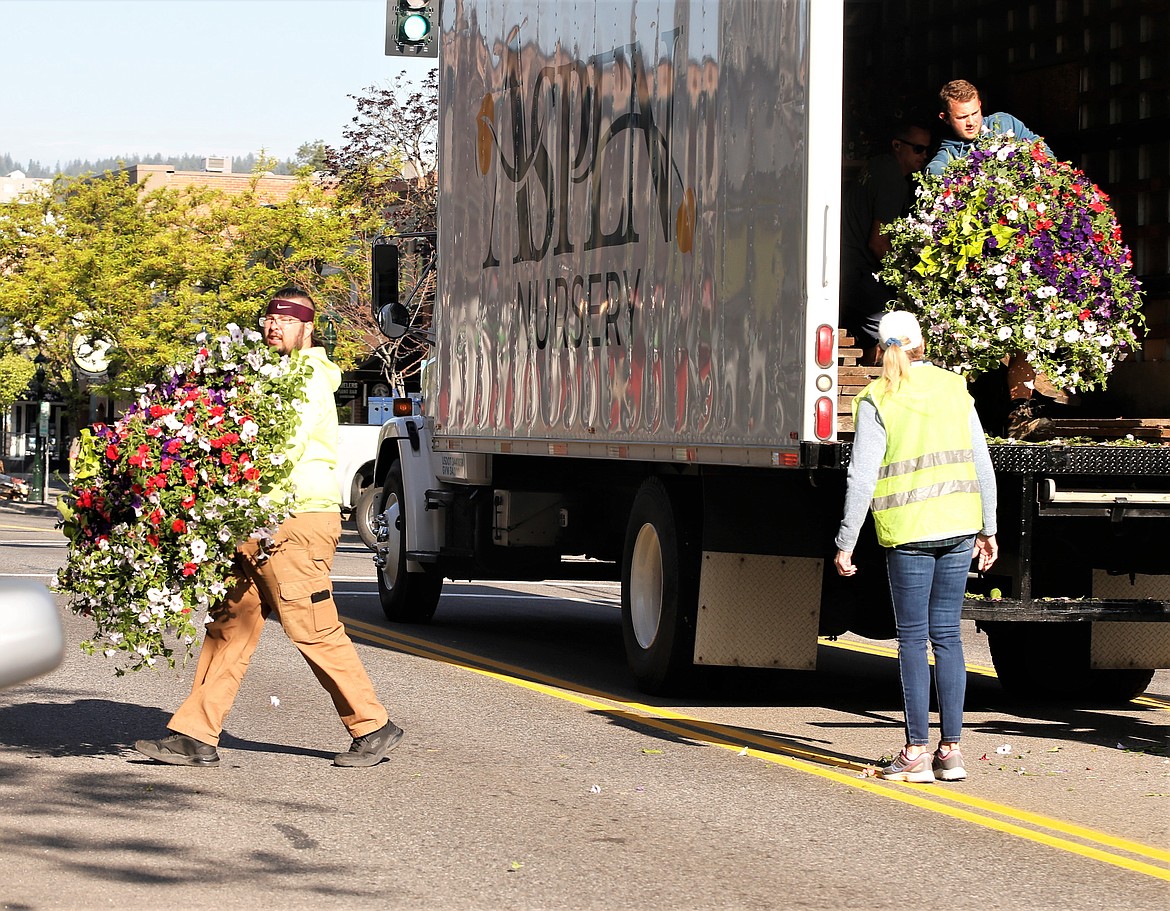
point(920, 462)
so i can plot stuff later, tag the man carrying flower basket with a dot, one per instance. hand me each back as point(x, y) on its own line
point(962, 111)
point(1011, 256)
point(289, 577)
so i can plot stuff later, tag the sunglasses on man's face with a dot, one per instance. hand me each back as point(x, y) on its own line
point(914, 147)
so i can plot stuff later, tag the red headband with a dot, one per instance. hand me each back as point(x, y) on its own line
point(295, 309)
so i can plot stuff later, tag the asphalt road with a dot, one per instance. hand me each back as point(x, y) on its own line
point(533, 775)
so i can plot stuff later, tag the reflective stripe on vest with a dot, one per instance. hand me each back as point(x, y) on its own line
point(927, 487)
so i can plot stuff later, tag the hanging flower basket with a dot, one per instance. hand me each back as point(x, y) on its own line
point(159, 500)
point(1011, 251)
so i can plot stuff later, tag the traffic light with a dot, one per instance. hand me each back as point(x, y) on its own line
point(412, 28)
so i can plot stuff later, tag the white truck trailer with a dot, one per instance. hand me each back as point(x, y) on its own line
point(635, 360)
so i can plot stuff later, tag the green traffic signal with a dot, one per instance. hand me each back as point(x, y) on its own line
point(410, 28)
point(414, 28)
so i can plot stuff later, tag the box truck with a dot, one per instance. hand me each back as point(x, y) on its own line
point(635, 361)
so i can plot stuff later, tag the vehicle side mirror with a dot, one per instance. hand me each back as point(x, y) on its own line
point(31, 640)
point(383, 276)
point(394, 320)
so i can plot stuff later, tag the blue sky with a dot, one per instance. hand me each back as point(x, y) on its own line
point(94, 78)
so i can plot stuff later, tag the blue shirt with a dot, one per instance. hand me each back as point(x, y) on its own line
point(999, 123)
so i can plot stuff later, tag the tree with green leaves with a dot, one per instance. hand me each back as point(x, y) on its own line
point(146, 270)
point(16, 372)
point(310, 156)
point(387, 164)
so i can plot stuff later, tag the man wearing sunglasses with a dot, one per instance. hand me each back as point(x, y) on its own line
point(962, 111)
point(882, 194)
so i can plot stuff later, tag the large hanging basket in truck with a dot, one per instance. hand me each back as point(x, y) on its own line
point(1012, 251)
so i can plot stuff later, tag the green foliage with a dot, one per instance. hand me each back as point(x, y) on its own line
point(16, 372)
point(310, 156)
point(147, 270)
point(158, 501)
point(1011, 251)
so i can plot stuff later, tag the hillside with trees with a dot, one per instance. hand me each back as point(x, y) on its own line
point(243, 164)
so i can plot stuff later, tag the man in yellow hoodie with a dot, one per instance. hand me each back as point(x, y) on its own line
point(292, 580)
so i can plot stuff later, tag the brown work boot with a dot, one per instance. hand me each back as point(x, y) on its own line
point(179, 749)
point(1026, 424)
point(370, 749)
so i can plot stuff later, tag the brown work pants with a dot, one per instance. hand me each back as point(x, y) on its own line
point(294, 583)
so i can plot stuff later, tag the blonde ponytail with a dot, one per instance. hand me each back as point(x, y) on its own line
point(901, 340)
point(896, 360)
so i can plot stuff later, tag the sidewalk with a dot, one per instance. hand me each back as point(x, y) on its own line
point(53, 489)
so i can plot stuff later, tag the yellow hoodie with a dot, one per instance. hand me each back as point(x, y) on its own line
point(313, 448)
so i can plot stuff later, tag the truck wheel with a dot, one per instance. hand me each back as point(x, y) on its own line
point(1050, 662)
point(406, 597)
point(365, 511)
point(659, 589)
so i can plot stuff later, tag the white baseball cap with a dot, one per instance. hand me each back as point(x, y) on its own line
point(901, 326)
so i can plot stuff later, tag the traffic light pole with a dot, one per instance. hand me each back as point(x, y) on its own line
point(40, 472)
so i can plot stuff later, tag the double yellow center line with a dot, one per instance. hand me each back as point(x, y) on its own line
point(1034, 827)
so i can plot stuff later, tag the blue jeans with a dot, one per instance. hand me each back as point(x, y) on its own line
point(927, 584)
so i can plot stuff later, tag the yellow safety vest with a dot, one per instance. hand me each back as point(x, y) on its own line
point(927, 489)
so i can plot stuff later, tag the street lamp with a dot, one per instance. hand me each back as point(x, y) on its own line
point(329, 332)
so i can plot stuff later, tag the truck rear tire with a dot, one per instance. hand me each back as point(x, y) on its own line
point(660, 589)
point(365, 511)
point(1050, 662)
point(406, 597)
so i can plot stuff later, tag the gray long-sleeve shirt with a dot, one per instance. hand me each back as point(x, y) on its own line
point(869, 446)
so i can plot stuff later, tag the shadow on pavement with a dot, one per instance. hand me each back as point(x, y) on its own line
point(102, 727)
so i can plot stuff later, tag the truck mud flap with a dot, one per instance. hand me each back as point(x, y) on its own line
point(758, 610)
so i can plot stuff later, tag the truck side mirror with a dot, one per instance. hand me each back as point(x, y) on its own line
point(383, 276)
point(394, 320)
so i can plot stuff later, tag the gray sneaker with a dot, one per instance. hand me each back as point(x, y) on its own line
point(179, 749)
point(905, 769)
point(949, 767)
point(370, 749)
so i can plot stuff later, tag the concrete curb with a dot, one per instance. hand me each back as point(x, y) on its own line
point(32, 507)
point(24, 507)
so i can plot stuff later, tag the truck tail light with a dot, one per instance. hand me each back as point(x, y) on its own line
point(824, 351)
point(825, 415)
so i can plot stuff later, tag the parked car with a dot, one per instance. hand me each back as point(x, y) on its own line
point(355, 476)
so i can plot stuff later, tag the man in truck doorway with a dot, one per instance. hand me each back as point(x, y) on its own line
point(292, 580)
point(882, 193)
point(961, 109)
